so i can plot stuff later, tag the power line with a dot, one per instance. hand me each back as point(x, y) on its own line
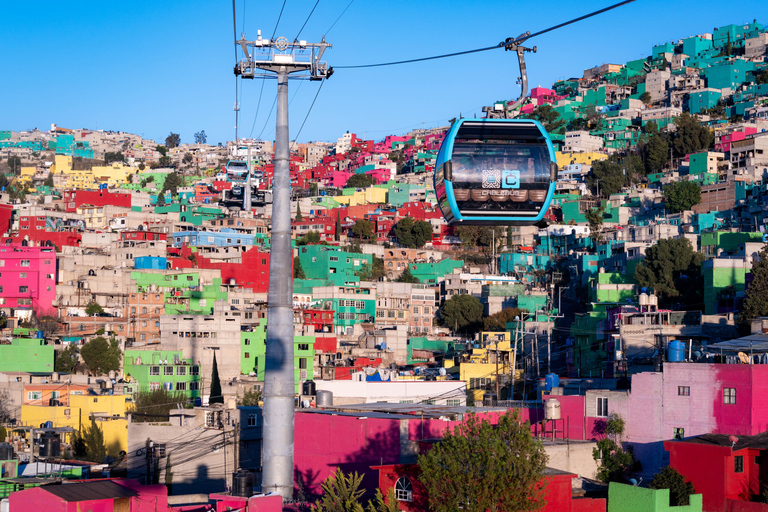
point(278, 19)
point(310, 110)
point(258, 105)
point(500, 45)
point(305, 22)
point(268, 116)
point(340, 15)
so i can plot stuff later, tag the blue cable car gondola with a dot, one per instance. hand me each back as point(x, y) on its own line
point(495, 172)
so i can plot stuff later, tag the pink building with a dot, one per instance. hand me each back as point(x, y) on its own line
point(93, 495)
point(723, 143)
point(28, 278)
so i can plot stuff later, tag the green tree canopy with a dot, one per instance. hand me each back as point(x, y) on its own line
point(101, 356)
point(548, 117)
point(312, 237)
point(93, 441)
point(201, 137)
point(691, 136)
point(462, 313)
point(299, 216)
point(407, 277)
point(216, 396)
point(682, 195)
point(113, 156)
point(298, 271)
point(341, 493)
point(756, 295)
point(673, 269)
point(49, 180)
point(479, 467)
point(614, 463)
point(250, 397)
point(93, 308)
point(364, 229)
point(412, 233)
point(14, 162)
point(155, 405)
point(679, 490)
point(161, 199)
point(172, 183)
point(360, 181)
point(373, 271)
point(66, 360)
point(595, 217)
point(646, 97)
point(654, 149)
point(608, 177)
point(498, 321)
point(172, 141)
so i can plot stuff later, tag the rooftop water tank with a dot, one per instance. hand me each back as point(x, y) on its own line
point(643, 299)
point(324, 398)
point(675, 351)
point(6, 451)
point(551, 380)
point(242, 483)
point(552, 409)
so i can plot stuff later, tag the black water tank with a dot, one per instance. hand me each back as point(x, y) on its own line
point(309, 388)
point(242, 483)
point(6, 451)
point(50, 444)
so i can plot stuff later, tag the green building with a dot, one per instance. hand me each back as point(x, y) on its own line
point(431, 273)
point(632, 498)
point(253, 353)
point(589, 350)
point(723, 281)
point(331, 263)
point(26, 355)
point(162, 369)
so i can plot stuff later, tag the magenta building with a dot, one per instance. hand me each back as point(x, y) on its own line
point(27, 279)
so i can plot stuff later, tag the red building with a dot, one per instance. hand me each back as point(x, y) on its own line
point(6, 214)
point(142, 236)
point(75, 198)
point(412, 496)
point(252, 272)
point(320, 319)
point(726, 470)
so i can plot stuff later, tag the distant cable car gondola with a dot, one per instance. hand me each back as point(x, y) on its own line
point(237, 170)
point(497, 171)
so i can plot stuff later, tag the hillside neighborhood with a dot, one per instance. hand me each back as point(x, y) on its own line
point(625, 338)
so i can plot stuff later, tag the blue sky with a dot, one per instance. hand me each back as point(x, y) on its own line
point(155, 67)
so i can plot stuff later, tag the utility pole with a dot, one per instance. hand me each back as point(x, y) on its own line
point(264, 57)
point(247, 191)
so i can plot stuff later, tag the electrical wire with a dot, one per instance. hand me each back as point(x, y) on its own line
point(305, 21)
point(340, 15)
point(278, 19)
point(310, 110)
point(499, 45)
point(268, 116)
point(258, 106)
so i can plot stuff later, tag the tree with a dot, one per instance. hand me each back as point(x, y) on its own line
point(462, 313)
point(595, 218)
point(655, 151)
point(45, 321)
point(201, 137)
point(101, 356)
point(364, 230)
point(14, 162)
point(756, 295)
point(93, 438)
point(411, 233)
point(498, 321)
point(155, 405)
point(690, 136)
point(298, 272)
point(66, 360)
point(172, 183)
point(188, 157)
point(162, 150)
point(337, 230)
point(93, 308)
point(172, 141)
point(373, 271)
point(762, 77)
point(115, 156)
point(341, 493)
point(679, 489)
point(682, 195)
point(250, 398)
point(6, 404)
point(312, 237)
point(614, 462)
point(646, 97)
point(608, 176)
point(161, 199)
point(548, 117)
point(164, 161)
point(407, 277)
point(360, 181)
point(215, 397)
point(673, 269)
point(299, 217)
point(49, 180)
point(379, 504)
point(479, 467)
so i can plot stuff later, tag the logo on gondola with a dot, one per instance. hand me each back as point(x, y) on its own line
point(510, 179)
point(491, 178)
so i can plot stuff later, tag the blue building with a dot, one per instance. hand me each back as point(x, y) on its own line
point(227, 237)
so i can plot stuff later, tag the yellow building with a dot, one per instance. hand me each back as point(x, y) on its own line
point(370, 195)
point(94, 216)
point(107, 410)
point(114, 175)
point(578, 158)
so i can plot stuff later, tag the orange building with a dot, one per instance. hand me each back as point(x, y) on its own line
point(52, 394)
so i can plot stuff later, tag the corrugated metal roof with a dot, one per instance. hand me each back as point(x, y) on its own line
point(87, 491)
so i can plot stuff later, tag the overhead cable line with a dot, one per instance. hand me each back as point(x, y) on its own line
point(502, 44)
point(340, 15)
point(278, 20)
point(310, 110)
point(305, 21)
point(268, 116)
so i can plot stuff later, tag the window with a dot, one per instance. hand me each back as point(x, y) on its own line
point(403, 489)
point(251, 420)
point(453, 402)
point(303, 346)
point(738, 464)
point(247, 355)
point(181, 386)
point(478, 383)
point(678, 433)
point(168, 370)
point(34, 395)
point(181, 370)
point(55, 394)
point(23, 289)
point(302, 363)
point(209, 419)
point(154, 370)
point(602, 407)
point(683, 391)
point(154, 386)
point(195, 370)
point(24, 263)
point(22, 275)
point(194, 386)
point(729, 396)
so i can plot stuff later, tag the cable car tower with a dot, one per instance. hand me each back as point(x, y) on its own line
point(263, 59)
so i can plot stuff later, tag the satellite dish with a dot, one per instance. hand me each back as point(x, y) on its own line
point(744, 358)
